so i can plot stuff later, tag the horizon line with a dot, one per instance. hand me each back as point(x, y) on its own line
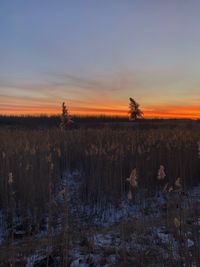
point(156, 117)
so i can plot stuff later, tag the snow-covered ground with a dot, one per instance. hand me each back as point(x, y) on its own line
point(129, 233)
point(109, 242)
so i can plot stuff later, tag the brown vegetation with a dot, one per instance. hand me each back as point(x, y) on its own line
point(32, 162)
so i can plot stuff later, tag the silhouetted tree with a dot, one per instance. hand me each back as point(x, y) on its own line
point(65, 117)
point(134, 110)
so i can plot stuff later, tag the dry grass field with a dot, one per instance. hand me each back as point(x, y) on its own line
point(65, 199)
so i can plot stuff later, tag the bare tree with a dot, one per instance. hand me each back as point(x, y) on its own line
point(134, 110)
point(65, 117)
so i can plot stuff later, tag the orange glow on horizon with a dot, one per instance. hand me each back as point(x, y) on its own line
point(190, 112)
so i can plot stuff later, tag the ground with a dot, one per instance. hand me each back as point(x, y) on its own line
point(142, 232)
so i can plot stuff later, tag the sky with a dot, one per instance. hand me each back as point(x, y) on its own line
point(94, 55)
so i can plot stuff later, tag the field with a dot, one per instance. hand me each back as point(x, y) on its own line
point(65, 199)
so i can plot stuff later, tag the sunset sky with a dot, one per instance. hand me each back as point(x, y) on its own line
point(94, 55)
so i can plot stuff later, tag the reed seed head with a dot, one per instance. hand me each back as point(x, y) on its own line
point(10, 178)
point(133, 179)
point(161, 173)
point(177, 222)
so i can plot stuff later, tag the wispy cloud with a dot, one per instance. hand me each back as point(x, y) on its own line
point(101, 94)
point(61, 86)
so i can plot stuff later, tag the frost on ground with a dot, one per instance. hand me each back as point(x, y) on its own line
point(136, 233)
point(112, 248)
point(99, 214)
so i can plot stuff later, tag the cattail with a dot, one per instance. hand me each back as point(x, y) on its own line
point(10, 178)
point(178, 182)
point(3, 155)
point(133, 178)
point(130, 196)
point(59, 152)
point(49, 158)
point(161, 173)
point(170, 189)
point(165, 188)
point(177, 222)
point(51, 166)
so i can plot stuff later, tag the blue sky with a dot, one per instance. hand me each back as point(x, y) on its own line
point(95, 54)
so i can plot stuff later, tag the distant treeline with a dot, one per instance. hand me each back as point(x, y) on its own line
point(46, 122)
